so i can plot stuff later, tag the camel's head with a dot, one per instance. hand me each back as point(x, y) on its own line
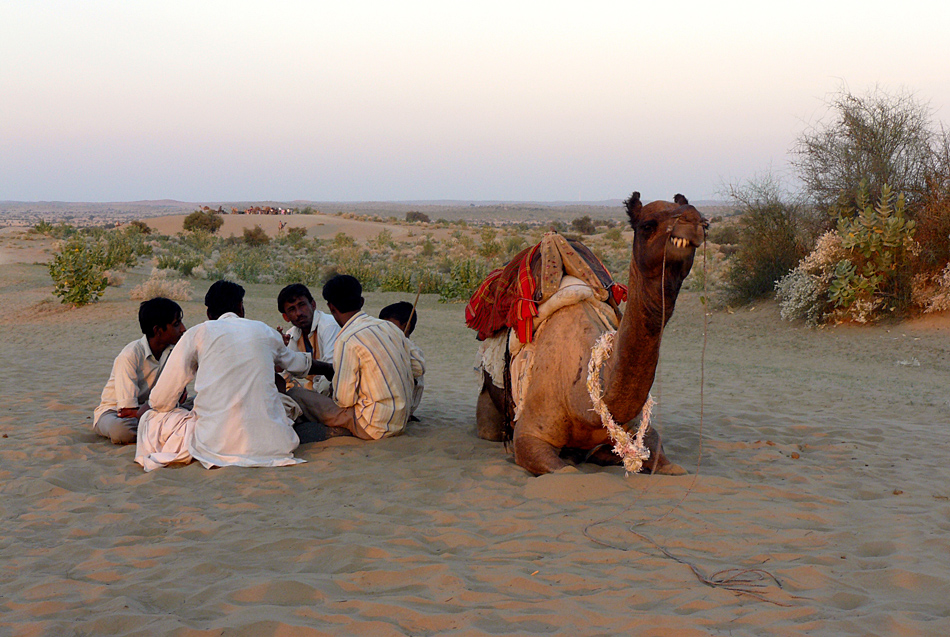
point(666, 235)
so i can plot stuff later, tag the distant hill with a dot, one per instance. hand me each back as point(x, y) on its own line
point(106, 213)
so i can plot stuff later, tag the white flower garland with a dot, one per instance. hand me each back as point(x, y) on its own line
point(630, 449)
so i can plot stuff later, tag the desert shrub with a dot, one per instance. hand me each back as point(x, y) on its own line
point(295, 236)
point(934, 295)
point(514, 245)
point(859, 272)
point(255, 236)
point(384, 240)
point(769, 241)
point(414, 215)
point(77, 270)
point(614, 235)
point(803, 292)
point(203, 220)
point(583, 225)
point(119, 250)
point(306, 271)
point(876, 139)
point(428, 246)
point(114, 279)
point(462, 280)
point(244, 263)
point(185, 264)
point(162, 283)
point(877, 276)
point(933, 231)
point(724, 234)
point(343, 240)
point(43, 227)
point(140, 226)
point(489, 247)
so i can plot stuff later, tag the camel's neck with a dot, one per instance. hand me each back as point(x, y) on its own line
point(629, 372)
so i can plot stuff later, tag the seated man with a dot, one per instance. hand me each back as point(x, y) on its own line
point(135, 370)
point(239, 418)
point(313, 331)
point(403, 315)
point(374, 371)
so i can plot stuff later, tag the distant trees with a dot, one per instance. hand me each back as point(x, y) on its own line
point(583, 225)
point(203, 220)
point(415, 215)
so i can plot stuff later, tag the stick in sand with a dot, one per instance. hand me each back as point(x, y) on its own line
point(405, 330)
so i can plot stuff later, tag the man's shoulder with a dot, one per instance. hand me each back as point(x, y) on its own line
point(136, 350)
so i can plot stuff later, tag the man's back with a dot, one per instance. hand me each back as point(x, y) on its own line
point(240, 419)
point(374, 374)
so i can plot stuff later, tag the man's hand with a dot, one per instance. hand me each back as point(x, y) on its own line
point(286, 337)
point(133, 412)
point(322, 369)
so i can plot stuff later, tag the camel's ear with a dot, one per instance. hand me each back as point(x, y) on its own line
point(680, 200)
point(634, 206)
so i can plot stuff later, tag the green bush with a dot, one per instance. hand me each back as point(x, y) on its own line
point(255, 236)
point(77, 271)
point(876, 278)
point(463, 279)
point(203, 220)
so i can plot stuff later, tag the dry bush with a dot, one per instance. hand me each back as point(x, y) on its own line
point(162, 283)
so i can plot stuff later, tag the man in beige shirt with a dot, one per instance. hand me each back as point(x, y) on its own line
point(312, 331)
point(374, 371)
point(136, 370)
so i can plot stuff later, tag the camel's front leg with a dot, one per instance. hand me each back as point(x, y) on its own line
point(535, 455)
point(489, 419)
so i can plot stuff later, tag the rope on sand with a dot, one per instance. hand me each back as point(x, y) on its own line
point(630, 449)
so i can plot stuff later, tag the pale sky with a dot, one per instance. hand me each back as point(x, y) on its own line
point(370, 101)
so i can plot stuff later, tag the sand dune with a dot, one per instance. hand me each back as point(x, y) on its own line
point(824, 463)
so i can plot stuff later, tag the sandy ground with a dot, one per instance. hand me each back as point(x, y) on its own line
point(824, 463)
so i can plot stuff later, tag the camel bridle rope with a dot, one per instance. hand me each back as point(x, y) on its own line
point(738, 580)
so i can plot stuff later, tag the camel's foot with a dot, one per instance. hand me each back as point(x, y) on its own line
point(489, 421)
point(658, 463)
point(536, 456)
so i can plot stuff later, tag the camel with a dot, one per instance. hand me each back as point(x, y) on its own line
point(556, 417)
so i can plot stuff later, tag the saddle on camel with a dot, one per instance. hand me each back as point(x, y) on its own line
point(550, 319)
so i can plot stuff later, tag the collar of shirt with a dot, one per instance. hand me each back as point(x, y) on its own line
point(143, 343)
point(228, 315)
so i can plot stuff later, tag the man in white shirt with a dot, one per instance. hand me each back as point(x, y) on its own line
point(238, 418)
point(312, 331)
point(374, 371)
point(136, 369)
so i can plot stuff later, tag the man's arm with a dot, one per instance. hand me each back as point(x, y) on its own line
point(179, 370)
point(416, 360)
point(324, 369)
point(126, 385)
point(346, 383)
point(286, 358)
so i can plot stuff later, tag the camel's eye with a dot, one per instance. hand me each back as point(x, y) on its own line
point(647, 228)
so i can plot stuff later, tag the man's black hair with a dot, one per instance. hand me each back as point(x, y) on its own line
point(291, 292)
point(223, 297)
point(402, 312)
point(158, 312)
point(344, 292)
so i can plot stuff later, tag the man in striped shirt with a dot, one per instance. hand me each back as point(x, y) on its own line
point(374, 370)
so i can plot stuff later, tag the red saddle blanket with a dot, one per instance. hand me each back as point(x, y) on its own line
point(509, 296)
